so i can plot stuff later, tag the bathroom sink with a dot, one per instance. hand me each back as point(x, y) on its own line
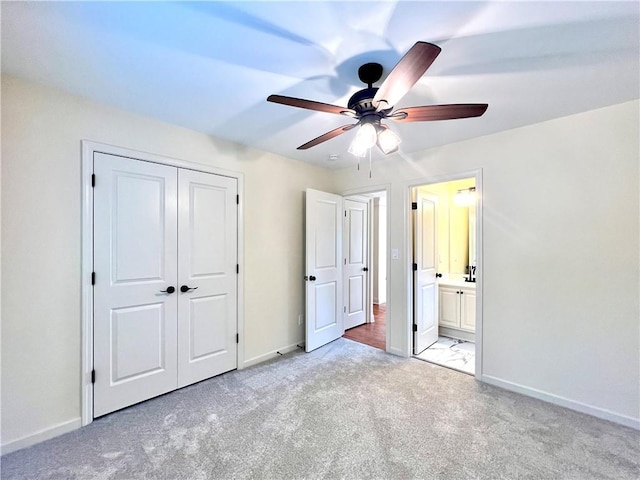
point(454, 282)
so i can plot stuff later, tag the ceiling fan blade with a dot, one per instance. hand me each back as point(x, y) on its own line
point(311, 105)
point(439, 112)
point(327, 136)
point(405, 74)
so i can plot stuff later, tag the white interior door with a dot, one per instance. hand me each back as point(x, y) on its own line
point(323, 264)
point(356, 235)
point(135, 246)
point(425, 287)
point(207, 275)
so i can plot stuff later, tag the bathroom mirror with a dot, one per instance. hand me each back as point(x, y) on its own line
point(458, 239)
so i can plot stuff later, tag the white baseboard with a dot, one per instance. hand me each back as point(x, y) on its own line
point(565, 402)
point(41, 436)
point(272, 354)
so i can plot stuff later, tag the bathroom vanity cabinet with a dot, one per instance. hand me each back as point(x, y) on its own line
point(457, 305)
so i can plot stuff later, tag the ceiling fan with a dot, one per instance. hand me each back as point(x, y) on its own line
point(371, 105)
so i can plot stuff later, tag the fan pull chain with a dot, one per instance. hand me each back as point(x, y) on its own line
point(358, 163)
point(369, 163)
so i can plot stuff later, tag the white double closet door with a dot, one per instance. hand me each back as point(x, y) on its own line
point(165, 293)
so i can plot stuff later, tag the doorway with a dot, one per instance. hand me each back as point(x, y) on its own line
point(373, 331)
point(444, 231)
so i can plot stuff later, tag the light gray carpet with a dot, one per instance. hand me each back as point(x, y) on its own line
point(344, 411)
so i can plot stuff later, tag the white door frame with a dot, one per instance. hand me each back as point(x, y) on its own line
point(374, 189)
point(88, 150)
point(477, 174)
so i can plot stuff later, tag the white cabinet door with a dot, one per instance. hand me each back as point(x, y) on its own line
point(207, 262)
point(468, 309)
point(355, 262)
point(323, 268)
point(449, 308)
point(425, 294)
point(135, 236)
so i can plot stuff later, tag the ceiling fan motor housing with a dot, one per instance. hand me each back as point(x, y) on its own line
point(361, 101)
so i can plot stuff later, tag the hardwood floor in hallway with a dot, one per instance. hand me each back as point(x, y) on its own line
point(373, 334)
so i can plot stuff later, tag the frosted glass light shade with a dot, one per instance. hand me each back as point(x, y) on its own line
point(388, 141)
point(356, 149)
point(365, 139)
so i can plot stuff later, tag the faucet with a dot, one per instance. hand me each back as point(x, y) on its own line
point(472, 273)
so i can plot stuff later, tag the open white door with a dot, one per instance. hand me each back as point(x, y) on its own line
point(323, 268)
point(356, 257)
point(425, 313)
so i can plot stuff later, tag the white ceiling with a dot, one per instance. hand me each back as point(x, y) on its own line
point(209, 66)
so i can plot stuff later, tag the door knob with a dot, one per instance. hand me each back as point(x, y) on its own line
point(169, 290)
point(438, 275)
point(185, 288)
point(312, 278)
point(365, 269)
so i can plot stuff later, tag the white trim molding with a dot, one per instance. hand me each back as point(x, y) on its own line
point(89, 148)
point(41, 436)
point(564, 402)
point(273, 354)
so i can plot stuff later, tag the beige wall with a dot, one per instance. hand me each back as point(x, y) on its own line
point(561, 255)
point(41, 232)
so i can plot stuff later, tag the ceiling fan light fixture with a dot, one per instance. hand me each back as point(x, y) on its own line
point(364, 140)
point(371, 105)
point(356, 149)
point(388, 141)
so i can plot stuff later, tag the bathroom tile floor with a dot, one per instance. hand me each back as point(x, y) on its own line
point(452, 353)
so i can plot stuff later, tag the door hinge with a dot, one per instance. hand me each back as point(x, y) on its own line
point(237, 199)
point(415, 327)
point(93, 278)
point(414, 205)
point(93, 376)
point(237, 268)
point(93, 179)
point(415, 267)
point(344, 309)
point(237, 338)
point(345, 213)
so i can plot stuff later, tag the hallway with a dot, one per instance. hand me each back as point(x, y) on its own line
point(372, 334)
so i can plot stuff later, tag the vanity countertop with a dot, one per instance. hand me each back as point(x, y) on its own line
point(455, 282)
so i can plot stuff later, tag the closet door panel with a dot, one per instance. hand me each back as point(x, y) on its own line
point(135, 260)
point(207, 263)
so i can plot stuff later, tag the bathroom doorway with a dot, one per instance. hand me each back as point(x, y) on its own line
point(444, 231)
